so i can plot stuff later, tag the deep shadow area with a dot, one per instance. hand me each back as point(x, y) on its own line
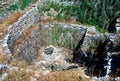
point(111, 27)
point(97, 61)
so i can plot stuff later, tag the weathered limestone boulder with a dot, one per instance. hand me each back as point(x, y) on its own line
point(49, 50)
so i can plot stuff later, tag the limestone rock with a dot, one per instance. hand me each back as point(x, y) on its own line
point(49, 50)
point(2, 68)
point(118, 20)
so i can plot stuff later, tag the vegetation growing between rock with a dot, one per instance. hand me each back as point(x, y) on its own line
point(97, 13)
point(61, 36)
point(19, 5)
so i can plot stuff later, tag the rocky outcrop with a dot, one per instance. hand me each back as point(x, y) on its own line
point(25, 38)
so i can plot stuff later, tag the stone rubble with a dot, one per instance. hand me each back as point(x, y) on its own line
point(54, 61)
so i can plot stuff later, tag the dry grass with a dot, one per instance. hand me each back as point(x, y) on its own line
point(17, 63)
point(71, 75)
point(25, 72)
point(22, 72)
point(24, 75)
point(1, 21)
point(91, 33)
point(20, 75)
point(4, 0)
point(11, 19)
point(68, 21)
point(3, 57)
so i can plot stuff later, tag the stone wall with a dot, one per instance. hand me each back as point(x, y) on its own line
point(26, 36)
point(63, 34)
point(16, 30)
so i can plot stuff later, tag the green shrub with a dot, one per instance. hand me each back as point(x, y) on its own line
point(99, 13)
point(13, 7)
point(24, 3)
point(21, 4)
point(59, 16)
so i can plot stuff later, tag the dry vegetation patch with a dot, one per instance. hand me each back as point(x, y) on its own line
point(17, 63)
point(24, 75)
point(20, 75)
point(71, 75)
point(11, 19)
point(1, 21)
point(3, 57)
point(47, 19)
